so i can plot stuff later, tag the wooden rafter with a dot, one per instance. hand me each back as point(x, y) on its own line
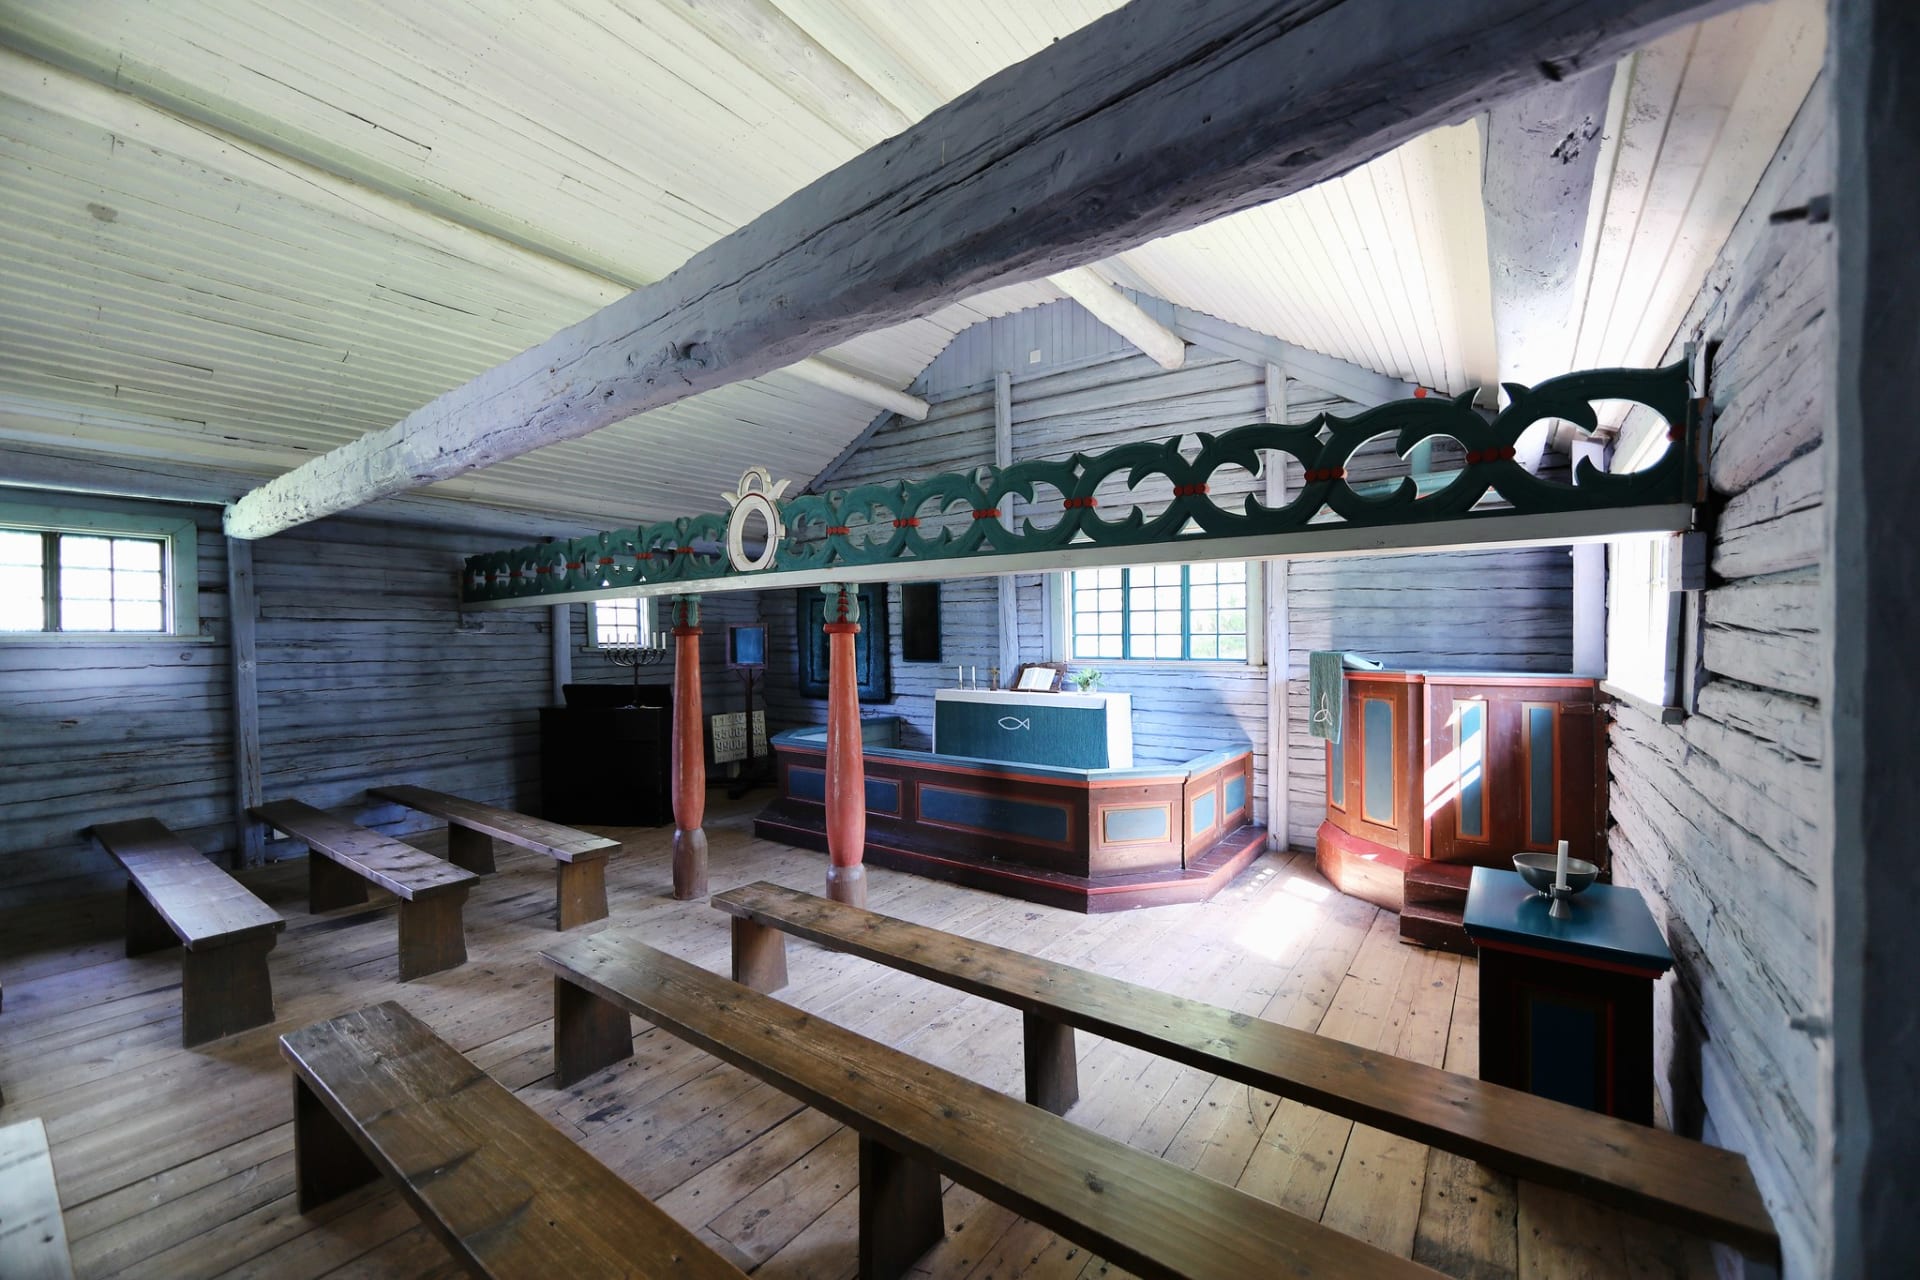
point(1153, 119)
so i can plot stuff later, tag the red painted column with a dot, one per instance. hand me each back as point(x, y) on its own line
point(846, 765)
point(689, 754)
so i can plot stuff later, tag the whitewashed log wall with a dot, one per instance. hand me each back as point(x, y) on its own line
point(1078, 386)
point(368, 673)
point(1716, 818)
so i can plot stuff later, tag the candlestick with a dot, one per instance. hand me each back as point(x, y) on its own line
point(975, 682)
point(960, 677)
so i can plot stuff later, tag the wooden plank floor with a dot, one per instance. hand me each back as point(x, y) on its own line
point(177, 1162)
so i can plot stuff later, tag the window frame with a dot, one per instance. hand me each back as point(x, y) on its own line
point(179, 567)
point(647, 615)
point(1059, 588)
point(1633, 596)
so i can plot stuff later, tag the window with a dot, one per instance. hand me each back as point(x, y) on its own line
point(1161, 613)
point(80, 573)
point(1642, 624)
point(620, 624)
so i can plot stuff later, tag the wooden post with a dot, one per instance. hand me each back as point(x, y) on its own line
point(1279, 639)
point(1003, 457)
point(846, 762)
point(689, 754)
point(562, 639)
point(250, 838)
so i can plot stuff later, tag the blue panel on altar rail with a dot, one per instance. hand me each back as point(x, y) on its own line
point(1134, 824)
point(977, 812)
point(807, 784)
point(1472, 757)
point(1203, 814)
point(1236, 792)
point(883, 794)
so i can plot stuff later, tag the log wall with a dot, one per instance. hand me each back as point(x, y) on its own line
point(368, 673)
point(1716, 818)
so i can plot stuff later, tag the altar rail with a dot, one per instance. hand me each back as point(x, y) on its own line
point(1090, 840)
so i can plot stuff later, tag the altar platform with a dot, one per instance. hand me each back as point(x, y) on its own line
point(1091, 840)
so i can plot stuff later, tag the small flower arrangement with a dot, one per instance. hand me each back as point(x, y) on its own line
point(1087, 679)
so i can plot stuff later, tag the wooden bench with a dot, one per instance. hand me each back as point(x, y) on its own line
point(33, 1234)
point(376, 1092)
point(1658, 1175)
point(580, 857)
point(175, 896)
point(431, 892)
point(917, 1121)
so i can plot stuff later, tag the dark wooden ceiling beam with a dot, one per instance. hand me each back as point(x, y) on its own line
point(1156, 118)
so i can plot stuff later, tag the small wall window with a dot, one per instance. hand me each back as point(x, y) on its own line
point(620, 624)
point(1642, 623)
point(1162, 613)
point(81, 573)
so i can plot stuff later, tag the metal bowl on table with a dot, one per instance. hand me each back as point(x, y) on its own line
point(1537, 869)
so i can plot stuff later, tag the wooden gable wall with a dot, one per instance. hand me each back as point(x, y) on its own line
point(1717, 817)
point(1510, 609)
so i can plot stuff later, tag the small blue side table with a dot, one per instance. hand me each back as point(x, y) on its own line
point(1566, 1006)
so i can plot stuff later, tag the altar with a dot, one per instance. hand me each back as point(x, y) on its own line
point(1087, 839)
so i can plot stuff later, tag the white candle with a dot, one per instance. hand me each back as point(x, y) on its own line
point(960, 677)
point(1560, 867)
point(975, 682)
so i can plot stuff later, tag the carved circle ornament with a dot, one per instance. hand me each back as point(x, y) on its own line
point(758, 494)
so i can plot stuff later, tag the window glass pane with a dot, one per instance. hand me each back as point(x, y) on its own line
point(1236, 572)
point(137, 586)
point(1166, 646)
point(136, 554)
point(1233, 647)
point(18, 547)
point(85, 615)
point(77, 550)
point(138, 615)
point(1206, 647)
point(85, 584)
point(1204, 624)
point(1233, 597)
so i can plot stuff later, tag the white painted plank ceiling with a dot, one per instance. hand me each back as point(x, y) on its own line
point(293, 223)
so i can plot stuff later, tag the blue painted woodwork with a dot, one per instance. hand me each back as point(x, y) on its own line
point(1472, 739)
point(1235, 793)
point(1135, 823)
point(1066, 736)
point(990, 814)
point(1565, 1046)
point(1609, 923)
point(871, 648)
point(1540, 775)
point(1376, 773)
point(1203, 812)
point(1337, 774)
point(803, 783)
point(879, 524)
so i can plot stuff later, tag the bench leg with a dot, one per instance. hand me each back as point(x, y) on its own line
point(327, 1163)
point(588, 1033)
point(900, 1216)
point(331, 885)
point(469, 849)
point(759, 955)
point(146, 929)
point(582, 891)
point(1053, 1073)
point(225, 989)
point(433, 934)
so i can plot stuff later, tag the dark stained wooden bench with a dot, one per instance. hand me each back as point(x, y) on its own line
point(917, 1121)
point(432, 893)
point(176, 897)
point(1649, 1172)
point(376, 1092)
point(580, 857)
point(33, 1234)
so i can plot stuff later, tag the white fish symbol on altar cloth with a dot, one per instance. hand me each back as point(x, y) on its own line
point(1010, 722)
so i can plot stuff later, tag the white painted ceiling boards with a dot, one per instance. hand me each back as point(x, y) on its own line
point(238, 234)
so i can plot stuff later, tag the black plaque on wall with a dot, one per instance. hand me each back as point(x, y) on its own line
point(871, 650)
point(920, 622)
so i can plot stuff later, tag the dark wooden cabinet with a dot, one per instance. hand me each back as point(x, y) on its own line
point(609, 765)
point(1459, 768)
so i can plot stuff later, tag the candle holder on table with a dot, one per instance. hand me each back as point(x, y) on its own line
point(1539, 869)
point(622, 651)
